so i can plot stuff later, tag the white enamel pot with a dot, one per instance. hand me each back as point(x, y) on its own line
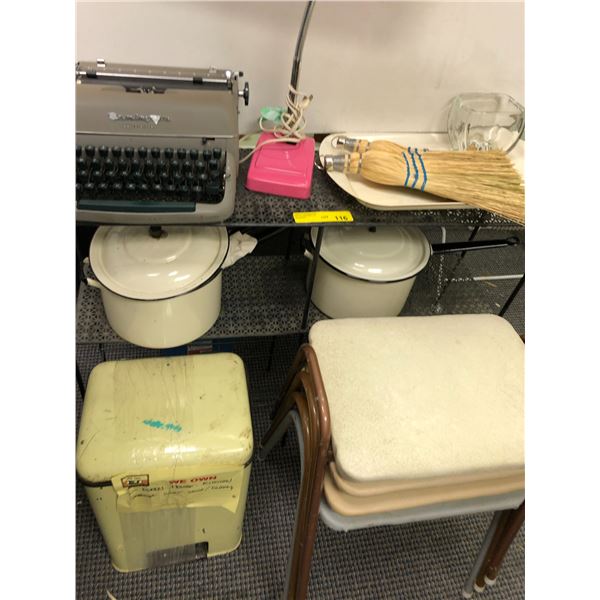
point(370, 271)
point(159, 288)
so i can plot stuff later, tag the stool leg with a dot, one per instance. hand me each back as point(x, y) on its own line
point(298, 575)
point(468, 587)
point(479, 583)
point(275, 433)
point(308, 507)
point(511, 529)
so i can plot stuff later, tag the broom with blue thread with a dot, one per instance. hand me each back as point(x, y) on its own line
point(486, 180)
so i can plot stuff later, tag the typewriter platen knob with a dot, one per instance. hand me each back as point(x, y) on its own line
point(245, 94)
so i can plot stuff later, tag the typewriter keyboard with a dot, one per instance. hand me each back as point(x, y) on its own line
point(148, 179)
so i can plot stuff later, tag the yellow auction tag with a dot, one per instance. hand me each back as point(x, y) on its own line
point(326, 216)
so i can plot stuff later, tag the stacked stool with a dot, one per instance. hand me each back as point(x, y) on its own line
point(404, 419)
point(164, 451)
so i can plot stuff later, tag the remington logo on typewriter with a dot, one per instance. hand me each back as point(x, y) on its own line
point(156, 119)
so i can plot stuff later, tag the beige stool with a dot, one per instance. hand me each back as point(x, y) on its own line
point(404, 419)
point(164, 452)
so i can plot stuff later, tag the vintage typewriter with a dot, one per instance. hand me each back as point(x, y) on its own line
point(156, 144)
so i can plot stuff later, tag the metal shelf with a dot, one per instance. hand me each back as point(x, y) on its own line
point(255, 209)
point(265, 296)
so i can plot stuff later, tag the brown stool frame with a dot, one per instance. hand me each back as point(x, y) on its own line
point(304, 393)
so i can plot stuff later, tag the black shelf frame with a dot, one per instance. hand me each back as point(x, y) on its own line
point(270, 295)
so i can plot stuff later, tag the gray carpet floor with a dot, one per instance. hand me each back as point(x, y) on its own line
point(420, 561)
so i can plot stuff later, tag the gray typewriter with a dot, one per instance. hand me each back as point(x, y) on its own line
point(156, 145)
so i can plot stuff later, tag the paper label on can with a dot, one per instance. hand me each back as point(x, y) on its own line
point(324, 216)
point(184, 487)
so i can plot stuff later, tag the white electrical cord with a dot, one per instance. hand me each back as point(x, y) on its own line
point(293, 123)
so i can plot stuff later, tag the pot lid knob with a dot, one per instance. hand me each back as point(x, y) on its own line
point(156, 231)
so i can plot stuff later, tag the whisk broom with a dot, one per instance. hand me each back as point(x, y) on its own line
point(486, 180)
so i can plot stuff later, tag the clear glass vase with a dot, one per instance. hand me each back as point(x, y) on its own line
point(485, 121)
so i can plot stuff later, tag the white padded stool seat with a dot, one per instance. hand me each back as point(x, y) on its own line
point(420, 495)
point(422, 397)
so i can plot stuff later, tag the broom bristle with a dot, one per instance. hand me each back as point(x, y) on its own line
point(486, 180)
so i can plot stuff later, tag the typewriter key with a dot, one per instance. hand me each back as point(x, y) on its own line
point(78, 151)
point(217, 153)
point(155, 152)
point(142, 152)
point(213, 191)
point(103, 151)
point(194, 154)
point(168, 153)
point(206, 155)
point(129, 152)
point(90, 151)
point(196, 193)
point(181, 153)
point(116, 151)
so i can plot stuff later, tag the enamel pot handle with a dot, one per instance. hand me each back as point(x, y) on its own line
point(481, 245)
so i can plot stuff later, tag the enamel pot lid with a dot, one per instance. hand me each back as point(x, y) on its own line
point(156, 263)
point(378, 254)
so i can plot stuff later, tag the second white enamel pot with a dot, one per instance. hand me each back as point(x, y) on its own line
point(370, 271)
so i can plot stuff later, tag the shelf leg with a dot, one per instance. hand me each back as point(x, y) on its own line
point(271, 351)
point(80, 383)
point(288, 251)
point(453, 270)
point(311, 278)
point(513, 295)
point(79, 269)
